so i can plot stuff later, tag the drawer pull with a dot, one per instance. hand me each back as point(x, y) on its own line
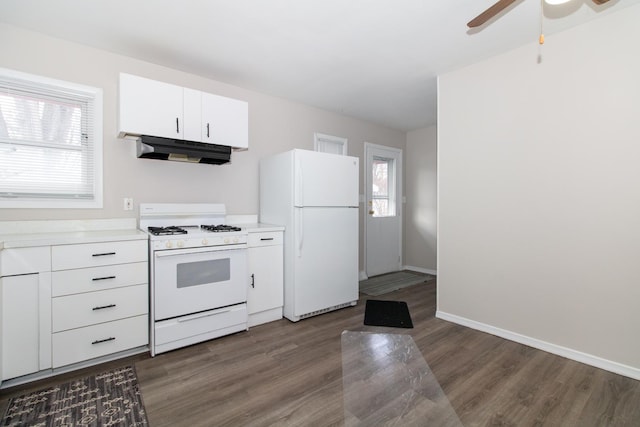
point(104, 340)
point(266, 238)
point(104, 306)
point(104, 254)
point(103, 278)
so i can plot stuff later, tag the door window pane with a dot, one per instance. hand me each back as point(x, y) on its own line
point(383, 184)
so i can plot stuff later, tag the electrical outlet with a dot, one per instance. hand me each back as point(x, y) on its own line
point(128, 204)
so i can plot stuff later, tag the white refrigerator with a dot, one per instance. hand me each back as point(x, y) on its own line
point(315, 196)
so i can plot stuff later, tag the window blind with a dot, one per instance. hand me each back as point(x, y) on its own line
point(48, 141)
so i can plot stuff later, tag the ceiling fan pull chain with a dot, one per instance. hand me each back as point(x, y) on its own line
point(541, 38)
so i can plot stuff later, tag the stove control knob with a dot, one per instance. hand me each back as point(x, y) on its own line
point(205, 242)
point(226, 241)
point(180, 244)
point(235, 240)
point(169, 245)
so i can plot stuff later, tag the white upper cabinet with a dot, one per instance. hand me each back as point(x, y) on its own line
point(149, 107)
point(192, 115)
point(225, 121)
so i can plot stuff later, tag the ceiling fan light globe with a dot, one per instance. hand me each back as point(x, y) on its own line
point(556, 2)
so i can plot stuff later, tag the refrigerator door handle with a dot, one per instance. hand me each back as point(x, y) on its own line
point(300, 232)
point(299, 188)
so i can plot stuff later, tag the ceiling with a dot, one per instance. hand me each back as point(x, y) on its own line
point(376, 60)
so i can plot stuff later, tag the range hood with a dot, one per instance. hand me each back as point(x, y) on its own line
point(153, 147)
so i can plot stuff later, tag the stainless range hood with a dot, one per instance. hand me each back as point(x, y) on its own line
point(153, 147)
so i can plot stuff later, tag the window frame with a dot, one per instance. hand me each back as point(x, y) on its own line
point(94, 97)
point(319, 138)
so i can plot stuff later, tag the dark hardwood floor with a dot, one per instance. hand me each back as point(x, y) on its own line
point(285, 373)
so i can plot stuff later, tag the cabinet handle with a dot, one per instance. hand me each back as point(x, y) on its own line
point(266, 238)
point(253, 281)
point(104, 340)
point(177, 126)
point(104, 254)
point(103, 278)
point(207, 130)
point(103, 307)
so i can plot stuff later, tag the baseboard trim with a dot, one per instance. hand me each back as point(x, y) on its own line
point(363, 276)
point(578, 356)
point(420, 270)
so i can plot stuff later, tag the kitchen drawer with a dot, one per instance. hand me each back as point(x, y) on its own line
point(90, 308)
point(69, 282)
point(265, 239)
point(86, 343)
point(65, 257)
point(201, 323)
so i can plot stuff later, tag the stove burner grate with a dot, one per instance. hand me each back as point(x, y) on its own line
point(162, 231)
point(220, 228)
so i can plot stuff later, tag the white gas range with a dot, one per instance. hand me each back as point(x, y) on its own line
point(198, 274)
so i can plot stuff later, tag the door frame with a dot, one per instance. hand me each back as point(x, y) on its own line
point(399, 197)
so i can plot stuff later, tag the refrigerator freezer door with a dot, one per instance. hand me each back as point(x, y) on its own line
point(325, 259)
point(323, 179)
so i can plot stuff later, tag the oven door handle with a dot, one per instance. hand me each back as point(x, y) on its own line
point(176, 252)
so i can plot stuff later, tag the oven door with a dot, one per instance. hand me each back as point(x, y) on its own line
point(187, 281)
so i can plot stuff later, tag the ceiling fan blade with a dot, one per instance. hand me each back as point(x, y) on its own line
point(600, 1)
point(498, 7)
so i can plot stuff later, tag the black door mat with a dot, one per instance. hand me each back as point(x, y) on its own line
point(387, 313)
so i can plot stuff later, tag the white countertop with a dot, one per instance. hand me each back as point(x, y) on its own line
point(69, 237)
point(23, 234)
point(250, 222)
point(260, 227)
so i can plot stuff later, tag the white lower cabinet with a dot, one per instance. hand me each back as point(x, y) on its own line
point(25, 311)
point(90, 308)
point(65, 304)
point(20, 325)
point(265, 295)
point(100, 301)
point(77, 345)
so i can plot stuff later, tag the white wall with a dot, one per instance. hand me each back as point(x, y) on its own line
point(275, 125)
point(420, 210)
point(539, 194)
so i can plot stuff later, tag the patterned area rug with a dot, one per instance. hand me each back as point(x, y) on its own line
point(107, 399)
point(385, 283)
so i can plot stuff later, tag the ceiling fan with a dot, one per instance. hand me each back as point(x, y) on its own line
point(500, 5)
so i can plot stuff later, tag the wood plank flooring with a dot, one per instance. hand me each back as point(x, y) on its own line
point(290, 374)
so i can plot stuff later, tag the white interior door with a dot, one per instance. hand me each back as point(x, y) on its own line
point(383, 224)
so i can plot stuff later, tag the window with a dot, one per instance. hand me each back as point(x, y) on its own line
point(50, 143)
point(383, 187)
point(329, 144)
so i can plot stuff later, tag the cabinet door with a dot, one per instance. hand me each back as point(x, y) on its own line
point(266, 268)
point(20, 325)
point(192, 115)
point(225, 121)
point(148, 107)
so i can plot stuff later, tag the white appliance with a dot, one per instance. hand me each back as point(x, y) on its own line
point(198, 274)
point(315, 196)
